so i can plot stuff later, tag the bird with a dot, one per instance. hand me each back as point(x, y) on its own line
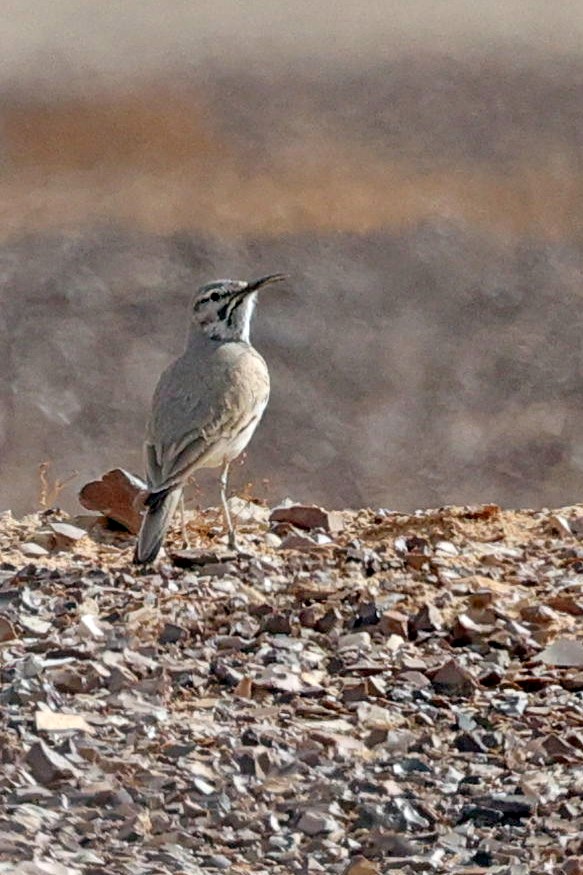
point(206, 406)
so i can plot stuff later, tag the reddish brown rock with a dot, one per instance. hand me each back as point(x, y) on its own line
point(428, 619)
point(454, 680)
point(119, 496)
point(308, 517)
point(7, 632)
point(394, 623)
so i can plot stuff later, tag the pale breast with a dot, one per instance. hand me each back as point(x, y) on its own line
point(249, 394)
point(206, 407)
point(229, 448)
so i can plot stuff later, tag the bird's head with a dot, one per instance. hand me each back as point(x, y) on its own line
point(223, 309)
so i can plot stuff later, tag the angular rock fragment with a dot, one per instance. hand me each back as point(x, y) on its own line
point(367, 615)
point(7, 632)
point(454, 680)
point(119, 496)
point(559, 525)
point(33, 550)
point(314, 823)
point(327, 622)
point(414, 679)
point(299, 542)
point(66, 679)
point(308, 517)
point(470, 743)
point(446, 548)
point(35, 626)
point(566, 604)
point(563, 652)
point(55, 721)
point(172, 633)
point(428, 619)
point(513, 807)
point(246, 512)
point(244, 688)
point(540, 615)
point(555, 750)
point(276, 624)
point(200, 558)
point(89, 628)
point(47, 766)
point(354, 641)
point(66, 535)
point(362, 866)
point(394, 622)
point(573, 682)
point(277, 678)
point(465, 630)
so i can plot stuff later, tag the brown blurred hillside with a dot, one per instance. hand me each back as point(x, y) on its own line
point(485, 143)
point(427, 206)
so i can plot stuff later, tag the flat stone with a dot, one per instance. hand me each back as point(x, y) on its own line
point(35, 625)
point(32, 550)
point(277, 678)
point(355, 641)
point(36, 793)
point(563, 652)
point(415, 679)
point(298, 542)
point(55, 721)
point(308, 517)
point(218, 861)
point(200, 558)
point(89, 628)
point(313, 823)
point(513, 807)
point(66, 533)
point(362, 866)
point(47, 766)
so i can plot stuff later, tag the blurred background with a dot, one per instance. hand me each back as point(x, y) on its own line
point(415, 167)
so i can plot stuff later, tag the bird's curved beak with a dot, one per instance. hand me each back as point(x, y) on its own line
point(254, 285)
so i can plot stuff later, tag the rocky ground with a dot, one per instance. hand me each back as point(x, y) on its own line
point(353, 693)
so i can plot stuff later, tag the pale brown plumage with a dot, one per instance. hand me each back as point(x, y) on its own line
point(206, 406)
point(197, 424)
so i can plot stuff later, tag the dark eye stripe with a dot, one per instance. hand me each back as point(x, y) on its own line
point(231, 308)
point(214, 296)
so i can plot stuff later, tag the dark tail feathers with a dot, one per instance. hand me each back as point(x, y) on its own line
point(160, 508)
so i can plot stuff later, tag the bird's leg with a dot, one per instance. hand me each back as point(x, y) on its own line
point(224, 478)
point(185, 540)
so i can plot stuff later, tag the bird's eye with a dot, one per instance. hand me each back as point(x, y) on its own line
point(215, 296)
